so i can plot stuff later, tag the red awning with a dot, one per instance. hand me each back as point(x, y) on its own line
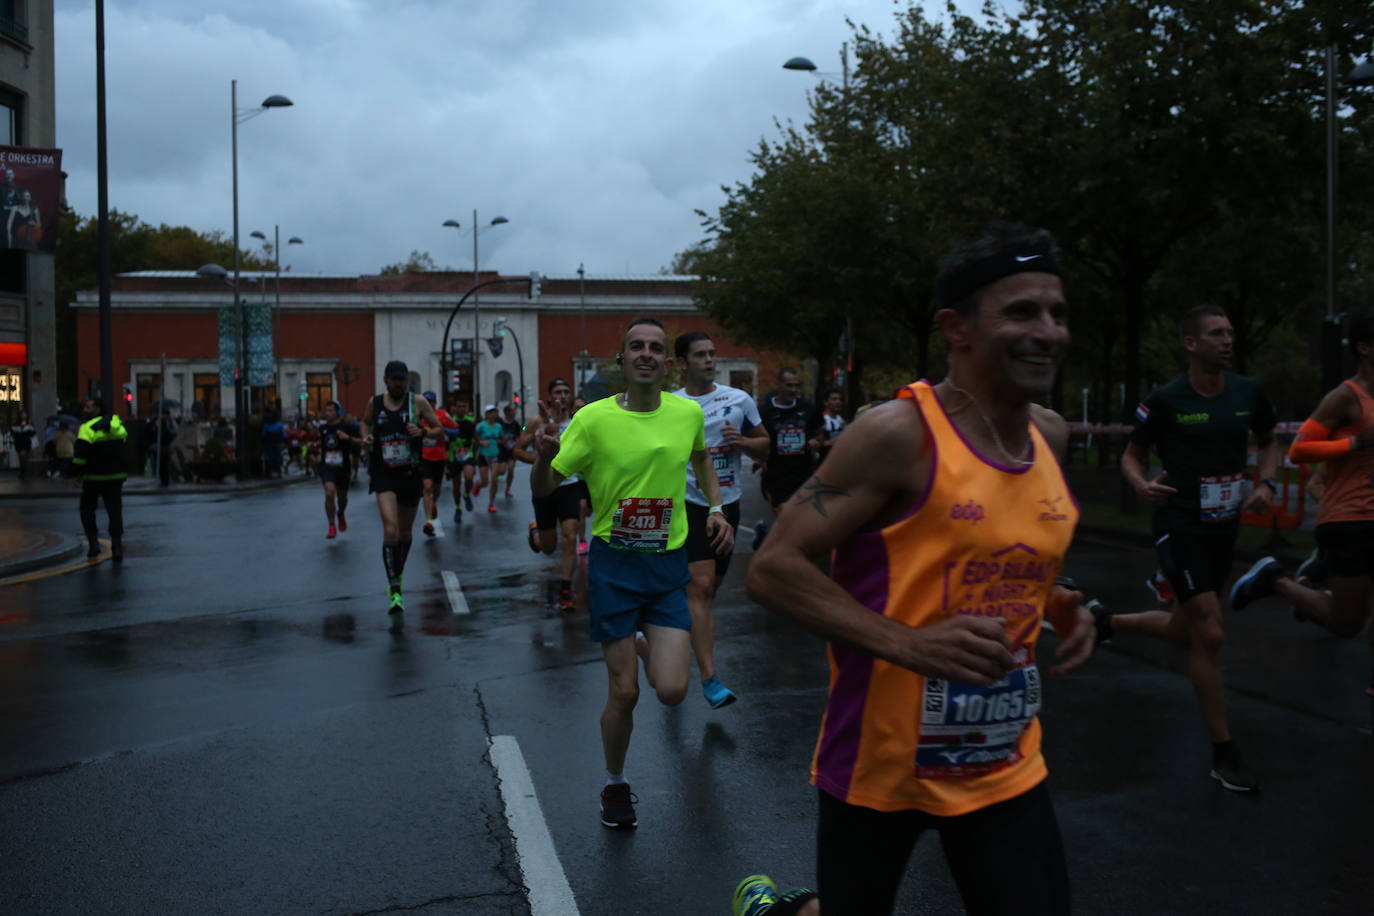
point(14, 354)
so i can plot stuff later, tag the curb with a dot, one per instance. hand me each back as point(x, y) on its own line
point(66, 548)
point(190, 490)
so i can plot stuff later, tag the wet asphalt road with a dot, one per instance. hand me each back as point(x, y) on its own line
point(222, 725)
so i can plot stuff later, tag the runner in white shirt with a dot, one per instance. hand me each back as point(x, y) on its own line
point(733, 428)
point(834, 421)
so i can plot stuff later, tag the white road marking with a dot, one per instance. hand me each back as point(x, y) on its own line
point(550, 894)
point(456, 601)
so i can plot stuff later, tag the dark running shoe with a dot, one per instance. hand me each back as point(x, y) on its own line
point(429, 529)
point(1229, 770)
point(467, 500)
point(533, 536)
point(1255, 583)
point(618, 806)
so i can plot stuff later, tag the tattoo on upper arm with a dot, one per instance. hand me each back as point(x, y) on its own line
point(813, 492)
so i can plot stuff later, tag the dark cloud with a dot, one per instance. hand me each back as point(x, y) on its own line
point(596, 128)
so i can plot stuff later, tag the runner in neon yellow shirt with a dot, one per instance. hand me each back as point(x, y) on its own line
point(633, 451)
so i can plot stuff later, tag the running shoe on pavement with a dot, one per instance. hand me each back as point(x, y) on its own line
point(566, 605)
point(491, 508)
point(1312, 571)
point(533, 537)
point(1231, 771)
point(618, 806)
point(1159, 586)
point(429, 528)
point(716, 693)
point(467, 500)
point(1256, 582)
point(343, 522)
point(753, 896)
point(457, 515)
point(331, 533)
point(397, 612)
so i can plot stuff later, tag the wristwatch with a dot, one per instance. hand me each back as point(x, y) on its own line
point(1273, 484)
point(720, 510)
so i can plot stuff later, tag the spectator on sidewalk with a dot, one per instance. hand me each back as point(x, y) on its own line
point(64, 449)
point(273, 443)
point(23, 431)
point(163, 443)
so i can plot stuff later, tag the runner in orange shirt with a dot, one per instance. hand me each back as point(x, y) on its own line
point(944, 565)
point(1341, 433)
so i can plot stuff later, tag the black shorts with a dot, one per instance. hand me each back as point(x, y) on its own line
point(778, 488)
point(432, 470)
point(404, 483)
point(1347, 548)
point(699, 544)
point(504, 454)
point(562, 505)
point(1005, 858)
point(339, 475)
point(1196, 562)
point(455, 468)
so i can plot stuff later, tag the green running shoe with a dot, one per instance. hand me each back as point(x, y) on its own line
point(397, 612)
point(753, 896)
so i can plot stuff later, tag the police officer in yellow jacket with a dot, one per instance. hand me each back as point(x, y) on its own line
point(100, 463)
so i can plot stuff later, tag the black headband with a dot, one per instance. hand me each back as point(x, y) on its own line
point(966, 279)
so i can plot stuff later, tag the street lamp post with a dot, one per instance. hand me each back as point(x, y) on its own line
point(276, 311)
point(476, 307)
point(498, 327)
point(236, 117)
point(1362, 75)
point(805, 65)
point(582, 321)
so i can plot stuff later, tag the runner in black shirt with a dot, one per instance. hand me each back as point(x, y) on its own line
point(337, 442)
point(392, 437)
point(510, 431)
point(795, 430)
point(1201, 425)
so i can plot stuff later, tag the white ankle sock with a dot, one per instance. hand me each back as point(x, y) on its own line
point(613, 779)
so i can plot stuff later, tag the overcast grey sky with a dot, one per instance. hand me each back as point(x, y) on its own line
point(596, 127)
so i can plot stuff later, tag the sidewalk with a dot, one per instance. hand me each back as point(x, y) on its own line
point(32, 487)
point(24, 550)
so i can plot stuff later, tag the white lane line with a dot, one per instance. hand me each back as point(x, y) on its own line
point(550, 894)
point(456, 601)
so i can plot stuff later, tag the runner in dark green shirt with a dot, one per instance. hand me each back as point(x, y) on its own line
point(1200, 423)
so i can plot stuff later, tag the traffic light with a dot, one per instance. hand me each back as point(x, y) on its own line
point(535, 281)
point(128, 394)
point(455, 380)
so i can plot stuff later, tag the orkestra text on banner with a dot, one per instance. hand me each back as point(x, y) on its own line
point(30, 192)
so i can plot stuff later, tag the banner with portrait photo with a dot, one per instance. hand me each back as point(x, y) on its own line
point(30, 192)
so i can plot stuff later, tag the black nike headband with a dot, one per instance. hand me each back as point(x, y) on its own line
point(966, 279)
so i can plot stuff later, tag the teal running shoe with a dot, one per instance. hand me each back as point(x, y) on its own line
point(716, 693)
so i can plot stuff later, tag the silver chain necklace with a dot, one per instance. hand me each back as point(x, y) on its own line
point(996, 437)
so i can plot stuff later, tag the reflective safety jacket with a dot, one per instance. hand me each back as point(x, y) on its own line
point(100, 449)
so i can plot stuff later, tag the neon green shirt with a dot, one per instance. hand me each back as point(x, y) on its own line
point(635, 467)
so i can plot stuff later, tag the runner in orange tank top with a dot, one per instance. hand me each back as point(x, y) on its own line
point(1341, 433)
point(944, 561)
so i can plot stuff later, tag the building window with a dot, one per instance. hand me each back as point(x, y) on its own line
point(14, 19)
point(11, 117)
point(319, 387)
point(503, 387)
point(149, 390)
point(206, 404)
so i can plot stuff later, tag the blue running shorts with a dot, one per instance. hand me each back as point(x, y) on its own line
point(627, 591)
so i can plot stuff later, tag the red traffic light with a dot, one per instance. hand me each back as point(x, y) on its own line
point(128, 397)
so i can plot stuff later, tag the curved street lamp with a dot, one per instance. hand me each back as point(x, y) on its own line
point(236, 117)
point(476, 311)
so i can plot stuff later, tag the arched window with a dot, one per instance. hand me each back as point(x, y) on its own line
point(503, 387)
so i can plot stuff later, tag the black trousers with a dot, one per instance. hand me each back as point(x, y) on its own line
point(112, 492)
point(1005, 858)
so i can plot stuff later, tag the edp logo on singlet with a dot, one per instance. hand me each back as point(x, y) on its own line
point(969, 511)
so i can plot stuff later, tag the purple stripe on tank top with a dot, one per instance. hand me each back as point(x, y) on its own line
point(977, 454)
point(860, 567)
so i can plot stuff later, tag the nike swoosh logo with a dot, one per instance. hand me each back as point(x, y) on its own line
point(1021, 259)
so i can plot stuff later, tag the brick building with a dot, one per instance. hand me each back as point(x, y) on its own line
point(333, 334)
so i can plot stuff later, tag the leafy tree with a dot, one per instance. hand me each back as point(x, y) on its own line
point(417, 262)
point(134, 245)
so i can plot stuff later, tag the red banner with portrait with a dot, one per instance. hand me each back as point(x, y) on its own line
point(30, 191)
